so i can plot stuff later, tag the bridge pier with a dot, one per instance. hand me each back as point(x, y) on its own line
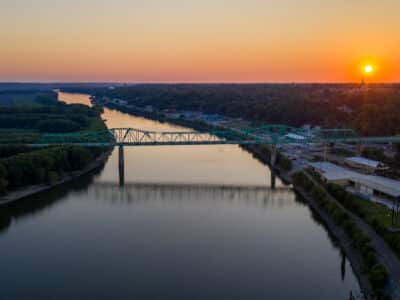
point(274, 156)
point(360, 148)
point(273, 159)
point(273, 179)
point(325, 151)
point(121, 165)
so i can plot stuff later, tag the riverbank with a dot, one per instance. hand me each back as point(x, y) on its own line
point(386, 256)
point(28, 191)
point(343, 241)
point(335, 231)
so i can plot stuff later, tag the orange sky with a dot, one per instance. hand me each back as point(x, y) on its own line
point(199, 41)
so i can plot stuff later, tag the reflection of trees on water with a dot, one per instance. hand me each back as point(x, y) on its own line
point(343, 264)
point(131, 193)
point(39, 203)
point(319, 222)
point(343, 259)
point(252, 196)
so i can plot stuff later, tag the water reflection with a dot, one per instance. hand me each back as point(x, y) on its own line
point(189, 223)
point(39, 203)
point(255, 196)
point(343, 264)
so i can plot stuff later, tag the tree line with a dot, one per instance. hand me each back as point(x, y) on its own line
point(371, 110)
point(50, 115)
point(21, 165)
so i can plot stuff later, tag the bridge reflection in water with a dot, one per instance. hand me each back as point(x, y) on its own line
point(121, 168)
point(135, 192)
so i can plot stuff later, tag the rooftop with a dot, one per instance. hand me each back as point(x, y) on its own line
point(334, 172)
point(365, 161)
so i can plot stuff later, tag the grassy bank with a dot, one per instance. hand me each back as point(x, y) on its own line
point(376, 272)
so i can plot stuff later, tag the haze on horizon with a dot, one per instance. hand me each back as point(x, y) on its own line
point(199, 41)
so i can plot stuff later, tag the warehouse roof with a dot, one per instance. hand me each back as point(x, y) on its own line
point(365, 162)
point(332, 172)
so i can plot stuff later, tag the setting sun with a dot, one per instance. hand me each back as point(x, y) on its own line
point(368, 69)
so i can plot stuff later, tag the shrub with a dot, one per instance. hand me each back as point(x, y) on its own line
point(370, 260)
point(59, 125)
point(340, 217)
point(284, 162)
point(349, 226)
point(34, 167)
point(377, 225)
point(52, 177)
point(378, 276)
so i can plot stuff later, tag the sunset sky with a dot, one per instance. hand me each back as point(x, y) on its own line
point(199, 40)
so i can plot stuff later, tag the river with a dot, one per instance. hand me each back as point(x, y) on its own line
point(191, 222)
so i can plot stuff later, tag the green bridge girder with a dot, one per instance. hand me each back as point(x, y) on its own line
point(266, 134)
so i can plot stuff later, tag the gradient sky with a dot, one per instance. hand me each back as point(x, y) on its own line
point(198, 40)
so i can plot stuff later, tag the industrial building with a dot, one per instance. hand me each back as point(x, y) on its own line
point(376, 188)
point(364, 164)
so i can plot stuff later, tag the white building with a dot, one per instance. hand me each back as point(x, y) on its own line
point(368, 165)
point(369, 186)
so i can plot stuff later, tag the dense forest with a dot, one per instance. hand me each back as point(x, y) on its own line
point(47, 114)
point(371, 109)
point(22, 165)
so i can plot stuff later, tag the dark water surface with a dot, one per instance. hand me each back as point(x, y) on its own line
point(196, 222)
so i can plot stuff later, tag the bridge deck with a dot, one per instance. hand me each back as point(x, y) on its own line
point(271, 134)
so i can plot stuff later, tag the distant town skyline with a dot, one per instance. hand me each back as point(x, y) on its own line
point(199, 41)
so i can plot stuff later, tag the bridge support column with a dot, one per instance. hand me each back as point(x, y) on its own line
point(360, 149)
point(121, 165)
point(274, 155)
point(273, 179)
point(273, 159)
point(325, 151)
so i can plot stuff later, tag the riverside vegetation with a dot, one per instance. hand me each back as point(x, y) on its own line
point(383, 220)
point(371, 110)
point(377, 273)
point(22, 166)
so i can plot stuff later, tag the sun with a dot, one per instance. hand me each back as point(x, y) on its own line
point(368, 69)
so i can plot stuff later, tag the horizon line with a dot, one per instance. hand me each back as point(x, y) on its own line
point(198, 82)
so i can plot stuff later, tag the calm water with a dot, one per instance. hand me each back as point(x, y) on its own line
point(197, 222)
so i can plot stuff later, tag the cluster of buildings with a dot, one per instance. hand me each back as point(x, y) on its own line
point(357, 174)
point(359, 178)
point(211, 119)
point(172, 113)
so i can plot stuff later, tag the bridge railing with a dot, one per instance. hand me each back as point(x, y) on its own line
point(267, 134)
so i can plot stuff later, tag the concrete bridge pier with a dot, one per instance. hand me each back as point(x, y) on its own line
point(360, 148)
point(121, 165)
point(326, 150)
point(273, 179)
point(273, 159)
point(274, 156)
